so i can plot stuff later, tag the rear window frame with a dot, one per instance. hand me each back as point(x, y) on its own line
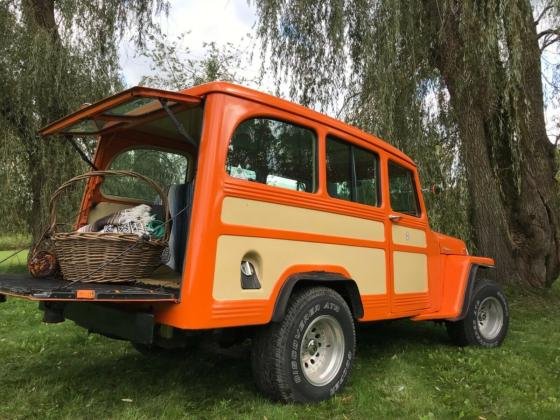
point(274, 117)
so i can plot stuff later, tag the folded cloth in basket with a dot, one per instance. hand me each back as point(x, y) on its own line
point(133, 220)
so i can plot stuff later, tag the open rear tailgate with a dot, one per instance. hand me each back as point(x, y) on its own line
point(50, 289)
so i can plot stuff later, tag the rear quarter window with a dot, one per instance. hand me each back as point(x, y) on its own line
point(274, 153)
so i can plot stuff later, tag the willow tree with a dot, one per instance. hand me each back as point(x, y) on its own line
point(174, 67)
point(467, 72)
point(54, 56)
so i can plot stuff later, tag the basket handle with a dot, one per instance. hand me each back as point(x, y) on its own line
point(92, 174)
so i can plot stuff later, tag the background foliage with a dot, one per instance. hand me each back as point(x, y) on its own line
point(54, 56)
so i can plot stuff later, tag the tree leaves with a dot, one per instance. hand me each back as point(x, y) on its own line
point(55, 56)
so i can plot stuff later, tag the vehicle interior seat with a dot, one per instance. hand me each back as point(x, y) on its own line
point(180, 196)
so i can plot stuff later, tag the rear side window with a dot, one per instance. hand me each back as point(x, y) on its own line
point(402, 189)
point(352, 173)
point(165, 168)
point(274, 153)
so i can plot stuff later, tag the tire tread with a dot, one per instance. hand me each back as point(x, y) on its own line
point(462, 333)
point(270, 342)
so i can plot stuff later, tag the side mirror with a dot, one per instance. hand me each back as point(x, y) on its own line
point(434, 189)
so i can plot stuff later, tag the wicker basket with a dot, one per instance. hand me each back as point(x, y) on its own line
point(107, 257)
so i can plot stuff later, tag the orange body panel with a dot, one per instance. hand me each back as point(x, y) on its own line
point(225, 107)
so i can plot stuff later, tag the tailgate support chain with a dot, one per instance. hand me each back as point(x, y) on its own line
point(180, 128)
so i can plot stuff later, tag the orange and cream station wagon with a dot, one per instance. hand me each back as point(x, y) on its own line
point(287, 227)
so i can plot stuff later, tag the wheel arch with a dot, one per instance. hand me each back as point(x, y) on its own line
point(343, 285)
point(476, 272)
point(459, 276)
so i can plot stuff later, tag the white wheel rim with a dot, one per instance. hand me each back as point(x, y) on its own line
point(490, 318)
point(322, 350)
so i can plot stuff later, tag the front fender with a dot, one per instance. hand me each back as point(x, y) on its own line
point(459, 278)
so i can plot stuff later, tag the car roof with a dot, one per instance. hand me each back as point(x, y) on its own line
point(270, 100)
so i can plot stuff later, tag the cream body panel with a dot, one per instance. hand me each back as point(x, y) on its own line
point(365, 265)
point(403, 235)
point(410, 272)
point(239, 211)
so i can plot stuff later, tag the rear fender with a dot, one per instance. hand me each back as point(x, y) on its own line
point(345, 286)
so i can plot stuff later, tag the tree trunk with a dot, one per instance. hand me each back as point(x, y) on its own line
point(539, 201)
point(515, 223)
point(41, 14)
point(36, 183)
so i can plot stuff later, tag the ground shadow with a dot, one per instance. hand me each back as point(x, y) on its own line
point(205, 377)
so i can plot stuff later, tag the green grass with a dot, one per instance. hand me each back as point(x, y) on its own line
point(403, 370)
point(15, 241)
point(14, 264)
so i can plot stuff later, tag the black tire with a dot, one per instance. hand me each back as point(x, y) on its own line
point(278, 357)
point(487, 305)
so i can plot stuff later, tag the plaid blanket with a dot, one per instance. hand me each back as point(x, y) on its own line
point(133, 220)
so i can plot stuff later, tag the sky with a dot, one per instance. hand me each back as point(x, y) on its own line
point(550, 57)
point(218, 21)
point(223, 21)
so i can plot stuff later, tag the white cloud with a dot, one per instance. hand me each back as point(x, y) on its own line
point(550, 61)
point(219, 21)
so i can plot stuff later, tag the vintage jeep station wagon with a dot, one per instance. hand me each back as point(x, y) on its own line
point(286, 227)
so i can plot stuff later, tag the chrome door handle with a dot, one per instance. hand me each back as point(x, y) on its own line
point(394, 218)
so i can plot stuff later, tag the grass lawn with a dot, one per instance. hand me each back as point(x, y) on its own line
point(14, 241)
point(14, 264)
point(403, 369)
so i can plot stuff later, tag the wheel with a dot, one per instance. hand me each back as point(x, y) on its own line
point(308, 355)
point(487, 319)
